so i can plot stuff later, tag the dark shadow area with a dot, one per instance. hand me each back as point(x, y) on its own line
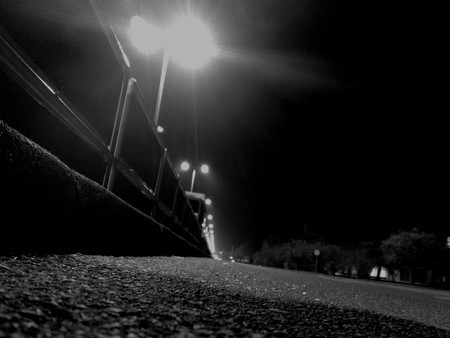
point(50, 208)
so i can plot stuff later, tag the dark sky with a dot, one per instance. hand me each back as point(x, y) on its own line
point(322, 112)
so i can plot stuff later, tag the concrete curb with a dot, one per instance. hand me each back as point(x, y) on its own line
point(49, 208)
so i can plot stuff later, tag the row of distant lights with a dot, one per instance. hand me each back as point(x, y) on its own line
point(207, 229)
point(204, 168)
point(209, 234)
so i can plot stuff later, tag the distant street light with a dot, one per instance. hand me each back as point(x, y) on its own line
point(187, 41)
point(185, 166)
point(204, 168)
point(316, 254)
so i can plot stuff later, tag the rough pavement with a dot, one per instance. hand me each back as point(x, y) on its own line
point(104, 296)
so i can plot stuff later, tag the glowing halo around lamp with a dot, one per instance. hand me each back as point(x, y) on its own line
point(189, 42)
point(185, 166)
point(204, 169)
point(145, 37)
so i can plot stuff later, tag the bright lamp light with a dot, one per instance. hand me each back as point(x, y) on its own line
point(204, 169)
point(185, 166)
point(189, 42)
point(145, 37)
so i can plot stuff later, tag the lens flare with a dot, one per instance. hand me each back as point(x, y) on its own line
point(146, 38)
point(190, 43)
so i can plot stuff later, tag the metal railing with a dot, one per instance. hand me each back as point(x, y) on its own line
point(166, 200)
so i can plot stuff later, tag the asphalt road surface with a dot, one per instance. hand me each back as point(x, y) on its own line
point(104, 296)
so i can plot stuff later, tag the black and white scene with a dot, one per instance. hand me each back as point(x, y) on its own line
point(223, 168)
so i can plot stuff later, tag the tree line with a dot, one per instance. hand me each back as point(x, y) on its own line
point(414, 252)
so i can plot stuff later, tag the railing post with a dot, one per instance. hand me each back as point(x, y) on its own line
point(117, 120)
point(159, 179)
point(116, 144)
point(175, 199)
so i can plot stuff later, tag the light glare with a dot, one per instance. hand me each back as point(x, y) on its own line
point(189, 43)
point(204, 168)
point(146, 38)
point(185, 166)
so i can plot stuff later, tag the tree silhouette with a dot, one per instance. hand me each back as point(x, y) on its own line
point(414, 250)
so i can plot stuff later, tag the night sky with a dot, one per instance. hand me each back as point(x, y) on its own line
point(319, 112)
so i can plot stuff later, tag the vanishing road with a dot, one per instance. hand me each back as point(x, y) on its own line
point(111, 297)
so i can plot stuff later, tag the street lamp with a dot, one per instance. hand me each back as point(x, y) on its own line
point(187, 41)
point(204, 168)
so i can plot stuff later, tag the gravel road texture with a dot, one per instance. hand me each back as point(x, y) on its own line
point(79, 295)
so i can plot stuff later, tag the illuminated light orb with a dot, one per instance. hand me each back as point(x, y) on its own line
point(185, 166)
point(207, 201)
point(146, 38)
point(189, 42)
point(204, 168)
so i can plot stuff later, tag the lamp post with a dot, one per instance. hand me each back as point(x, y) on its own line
point(204, 168)
point(187, 41)
point(316, 254)
point(161, 86)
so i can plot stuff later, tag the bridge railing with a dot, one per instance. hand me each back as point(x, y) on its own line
point(147, 179)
